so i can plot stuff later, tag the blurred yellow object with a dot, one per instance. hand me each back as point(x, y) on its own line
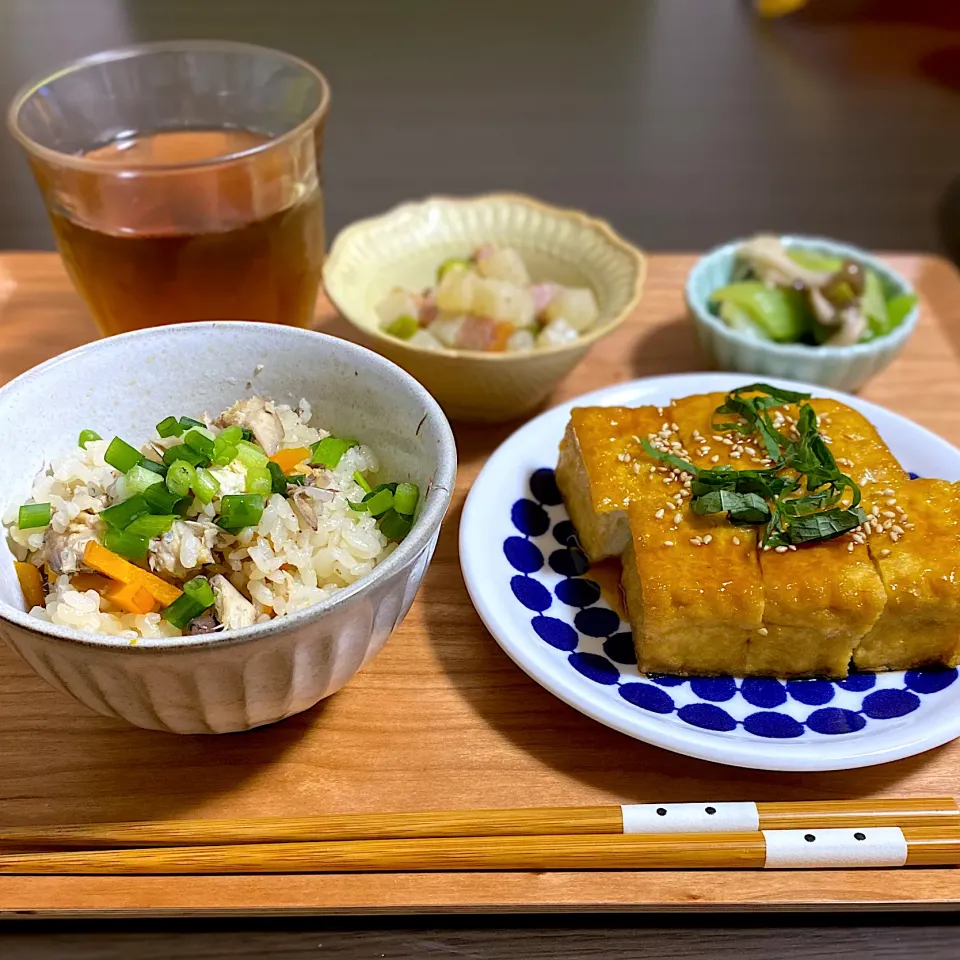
point(777, 8)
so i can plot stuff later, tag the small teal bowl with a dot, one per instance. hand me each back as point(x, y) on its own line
point(843, 368)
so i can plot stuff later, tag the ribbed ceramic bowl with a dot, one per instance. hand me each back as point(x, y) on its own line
point(124, 385)
point(404, 247)
point(843, 368)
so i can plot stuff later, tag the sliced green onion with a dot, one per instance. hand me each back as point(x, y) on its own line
point(200, 443)
point(405, 498)
point(140, 478)
point(34, 515)
point(250, 455)
point(259, 480)
point(393, 526)
point(359, 506)
point(247, 434)
point(121, 455)
point(379, 502)
point(199, 590)
point(169, 427)
point(160, 500)
point(380, 486)
point(182, 452)
point(128, 545)
point(181, 477)
point(188, 422)
point(152, 526)
point(362, 480)
point(278, 482)
point(223, 455)
point(330, 450)
point(205, 485)
point(240, 510)
point(158, 468)
point(225, 446)
point(122, 514)
point(88, 436)
point(182, 611)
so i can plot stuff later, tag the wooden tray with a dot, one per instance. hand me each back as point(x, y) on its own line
point(442, 719)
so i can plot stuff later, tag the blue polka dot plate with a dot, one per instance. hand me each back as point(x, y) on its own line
point(536, 596)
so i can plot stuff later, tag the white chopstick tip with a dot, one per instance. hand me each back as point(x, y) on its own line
point(850, 847)
point(738, 817)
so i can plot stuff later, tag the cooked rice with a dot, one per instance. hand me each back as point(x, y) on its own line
point(282, 565)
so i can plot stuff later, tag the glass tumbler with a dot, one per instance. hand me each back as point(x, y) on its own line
point(183, 181)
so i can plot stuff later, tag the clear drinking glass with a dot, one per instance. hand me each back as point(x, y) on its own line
point(183, 181)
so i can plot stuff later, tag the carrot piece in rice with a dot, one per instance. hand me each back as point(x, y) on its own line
point(114, 566)
point(131, 597)
point(288, 460)
point(31, 583)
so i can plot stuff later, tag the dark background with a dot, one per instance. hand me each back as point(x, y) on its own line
point(683, 122)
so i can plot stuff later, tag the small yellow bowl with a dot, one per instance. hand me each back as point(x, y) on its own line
point(404, 247)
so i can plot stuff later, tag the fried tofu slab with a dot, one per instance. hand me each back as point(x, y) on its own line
point(705, 599)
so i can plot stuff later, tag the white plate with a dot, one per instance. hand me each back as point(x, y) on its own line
point(563, 634)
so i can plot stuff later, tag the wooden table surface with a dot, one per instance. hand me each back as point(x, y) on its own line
point(456, 723)
point(684, 123)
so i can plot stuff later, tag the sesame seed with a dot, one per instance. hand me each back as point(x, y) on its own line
point(652, 469)
point(763, 631)
point(668, 479)
point(674, 428)
point(696, 541)
point(888, 513)
point(668, 543)
point(875, 511)
point(715, 458)
point(735, 454)
point(728, 441)
point(736, 541)
point(887, 524)
point(678, 518)
point(886, 493)
point(659, 514)
point(894, 536)
point(766, 547)
point(791, 546)
point(708, 538)
point(909, 526)
point(780, 549)
point(891, 502)
point(884, 552)
point(899, 530)
point(751, 451)
point(850, 547)
point(636, 466)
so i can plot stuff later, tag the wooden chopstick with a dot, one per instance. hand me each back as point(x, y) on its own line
point(534, 821)
point(772, 849)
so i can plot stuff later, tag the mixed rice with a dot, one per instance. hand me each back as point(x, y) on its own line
point(213, 524)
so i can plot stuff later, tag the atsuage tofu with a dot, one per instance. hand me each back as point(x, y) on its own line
point(600, 469)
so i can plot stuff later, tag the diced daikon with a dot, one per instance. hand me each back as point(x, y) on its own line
point(555, 333)
point(398, 303)
point(455, 292)
point(503, 263)
point(520, 341)
point(447, 330)
point(503, 301)
point(577, 306)
point(425, 340)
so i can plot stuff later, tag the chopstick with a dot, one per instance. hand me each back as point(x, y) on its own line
point(772, 849)
point(644, 818)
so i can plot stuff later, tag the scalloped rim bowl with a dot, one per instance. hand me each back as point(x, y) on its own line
point(403, 248)
point(842, 368)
